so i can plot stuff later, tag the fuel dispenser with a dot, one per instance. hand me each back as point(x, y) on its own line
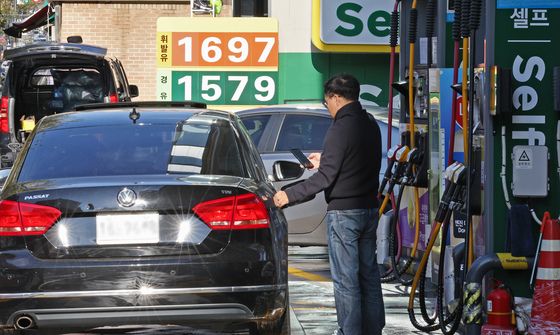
point(461, 200)
point(503, 180)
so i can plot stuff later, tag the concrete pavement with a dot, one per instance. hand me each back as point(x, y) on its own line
point(312, 298)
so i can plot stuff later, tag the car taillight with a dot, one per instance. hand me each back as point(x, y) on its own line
point(113, 98)
point(23, 219)
point(4, 120)
point(250, 213)
point(245, 211)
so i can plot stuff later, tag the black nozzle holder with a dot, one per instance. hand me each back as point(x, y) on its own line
point(459, 88)
point(431, 9)
point(401, 87)
point(475, 13)
point(465, 19)
point(413, 25)
point(386, 176)
point(394, 39)
point(445, 199)
point(456, 27)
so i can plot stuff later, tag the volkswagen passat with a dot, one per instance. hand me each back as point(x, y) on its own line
point(142, 213)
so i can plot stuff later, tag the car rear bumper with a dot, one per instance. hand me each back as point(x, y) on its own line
point(81, 294)
point(218, 308)
point(115, 316)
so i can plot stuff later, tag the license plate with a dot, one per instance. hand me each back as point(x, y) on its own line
point(127, 228)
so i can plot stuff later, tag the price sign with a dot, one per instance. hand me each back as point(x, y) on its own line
point(226, 49)
point(220, 61)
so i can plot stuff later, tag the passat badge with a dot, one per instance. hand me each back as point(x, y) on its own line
point(126, 197)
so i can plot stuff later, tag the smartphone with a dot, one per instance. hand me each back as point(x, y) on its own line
point(302, 158)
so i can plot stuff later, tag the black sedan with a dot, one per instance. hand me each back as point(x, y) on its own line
point(137, 214)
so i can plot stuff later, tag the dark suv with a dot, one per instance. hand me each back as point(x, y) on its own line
point(50, 78)
point(134, 214)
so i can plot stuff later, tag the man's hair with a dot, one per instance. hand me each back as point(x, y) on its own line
point(344, 85)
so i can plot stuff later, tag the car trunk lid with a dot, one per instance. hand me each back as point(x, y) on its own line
point(118, 217)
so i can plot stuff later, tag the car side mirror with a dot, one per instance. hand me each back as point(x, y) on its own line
point(286, 170)
point(3, 176)
point(133, 90)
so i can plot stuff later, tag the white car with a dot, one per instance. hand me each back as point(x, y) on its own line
point(277, 129)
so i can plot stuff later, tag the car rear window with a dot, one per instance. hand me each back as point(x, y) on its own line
point(133, 149)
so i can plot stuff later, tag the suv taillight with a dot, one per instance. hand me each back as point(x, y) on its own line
point(23, 219)
point(245, 211)
point(113, 98)
point(4, 120)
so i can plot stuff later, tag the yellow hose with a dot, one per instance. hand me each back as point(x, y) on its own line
point(384, 204)
point(422, 264)
point(412, 140)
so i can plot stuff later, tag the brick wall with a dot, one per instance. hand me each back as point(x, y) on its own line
point(128, 31)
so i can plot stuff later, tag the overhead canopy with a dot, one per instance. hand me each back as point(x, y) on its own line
point(36, 20)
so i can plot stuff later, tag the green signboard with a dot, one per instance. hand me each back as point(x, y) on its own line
point(527, 43)
point(224, 88)
point(234, 62)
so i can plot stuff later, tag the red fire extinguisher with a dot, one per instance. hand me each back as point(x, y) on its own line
point(499, 305)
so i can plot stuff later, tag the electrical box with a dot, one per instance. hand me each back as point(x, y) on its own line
point(530, 171)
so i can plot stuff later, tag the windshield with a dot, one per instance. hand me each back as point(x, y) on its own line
point(133, 149)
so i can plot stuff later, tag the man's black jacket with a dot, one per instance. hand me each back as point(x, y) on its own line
point(350, 163)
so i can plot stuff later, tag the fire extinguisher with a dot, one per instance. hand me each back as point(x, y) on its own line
point(499, 305)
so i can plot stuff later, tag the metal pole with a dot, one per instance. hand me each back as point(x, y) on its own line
point(57, 23)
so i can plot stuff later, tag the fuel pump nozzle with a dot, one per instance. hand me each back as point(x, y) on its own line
point(402, 159)
point(389, 171)
point(451, 173)
point(412, 160)
point(401, 156)
point(460, 180)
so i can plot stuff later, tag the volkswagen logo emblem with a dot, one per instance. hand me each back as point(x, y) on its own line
point(126, 197)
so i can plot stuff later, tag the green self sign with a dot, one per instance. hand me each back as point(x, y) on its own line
point(355, 21)
point(527, 43)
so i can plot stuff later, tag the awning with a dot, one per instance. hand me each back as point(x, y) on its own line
point(36, 20)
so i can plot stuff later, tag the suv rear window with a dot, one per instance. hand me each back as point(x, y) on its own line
point(187, 148)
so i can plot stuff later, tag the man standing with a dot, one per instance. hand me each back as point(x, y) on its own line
point(348, 172)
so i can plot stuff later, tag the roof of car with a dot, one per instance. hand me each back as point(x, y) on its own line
point(122, 116)
point(380, 113)
point(288, 108)
point(52, 47)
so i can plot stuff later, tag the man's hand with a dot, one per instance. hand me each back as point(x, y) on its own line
point(315, 159)
point(281, 199)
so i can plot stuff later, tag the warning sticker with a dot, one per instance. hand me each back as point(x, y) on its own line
point(523, 158)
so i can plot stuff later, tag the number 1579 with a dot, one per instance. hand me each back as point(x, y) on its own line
point(263, 87)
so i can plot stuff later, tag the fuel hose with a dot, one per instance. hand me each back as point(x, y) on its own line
point(412, 40)
point(393, 43)
point(465, 33)
point(456, 32)
point(474, 23)
point(393, 40)
point(452, 192)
